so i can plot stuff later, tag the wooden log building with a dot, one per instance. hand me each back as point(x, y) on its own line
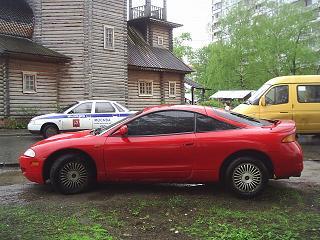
point(54, 53)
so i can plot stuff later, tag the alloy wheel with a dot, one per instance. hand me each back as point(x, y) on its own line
point(73, 175)
point(247, 177)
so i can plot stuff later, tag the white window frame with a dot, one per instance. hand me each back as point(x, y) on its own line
point(144, 94)
point(175, 89)
point(160, 41)
point(105, 27)
point(24, 90)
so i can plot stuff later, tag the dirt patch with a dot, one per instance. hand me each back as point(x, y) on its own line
point(10, 177)
point(286, 210)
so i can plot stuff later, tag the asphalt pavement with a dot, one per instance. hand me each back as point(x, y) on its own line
point(14, 143)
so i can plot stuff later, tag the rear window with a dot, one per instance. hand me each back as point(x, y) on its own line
point(240, 118)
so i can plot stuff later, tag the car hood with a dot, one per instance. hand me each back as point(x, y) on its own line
point(50, 115)
point(64, 136)
point(246, 109)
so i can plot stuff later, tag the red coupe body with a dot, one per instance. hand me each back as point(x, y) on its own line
point(148, 153)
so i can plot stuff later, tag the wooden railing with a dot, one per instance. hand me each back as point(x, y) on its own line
point(138, 12)
point(145, 11)
point(157, 12)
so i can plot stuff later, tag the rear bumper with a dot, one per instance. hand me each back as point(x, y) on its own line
point(32, 169)
point(289, 161)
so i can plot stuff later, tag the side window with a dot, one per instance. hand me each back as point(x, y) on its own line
point(165, 122)
point(29, 82)
point(108, 37)
point(278, 95)
point(120, 109)
point(208, 124)
point(82, 108)
point(309, 94)
point(104, 107)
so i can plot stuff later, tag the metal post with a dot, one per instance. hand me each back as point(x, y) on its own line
point(192, 95)
point(202, 94)
point(148, 9)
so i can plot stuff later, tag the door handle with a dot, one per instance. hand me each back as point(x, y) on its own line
point(188, 144)
point(284, 112)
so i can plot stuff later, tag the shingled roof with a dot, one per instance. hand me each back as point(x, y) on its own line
point(26, 49)
point(142, 55)
point(16, 18)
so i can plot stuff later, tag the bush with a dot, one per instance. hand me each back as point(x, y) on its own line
point(218, 104)
point(212, 103)
point(15, 123)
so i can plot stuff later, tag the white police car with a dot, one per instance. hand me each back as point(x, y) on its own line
point(90, 114)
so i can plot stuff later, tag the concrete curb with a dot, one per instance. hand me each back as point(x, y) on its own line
point(14, 133)
point(9, 165)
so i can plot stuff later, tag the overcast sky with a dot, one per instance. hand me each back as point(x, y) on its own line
point(195, 16)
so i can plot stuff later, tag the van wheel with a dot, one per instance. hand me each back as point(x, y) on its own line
point(247, 177)
point(71, 174)
point(50, 130)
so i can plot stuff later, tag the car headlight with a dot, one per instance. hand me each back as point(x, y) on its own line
point(30, 153)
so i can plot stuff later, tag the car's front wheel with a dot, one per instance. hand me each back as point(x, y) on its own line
point(71, 173)
point(50, 130)
point(247, 177)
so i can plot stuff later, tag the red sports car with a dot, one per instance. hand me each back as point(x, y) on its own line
point(175, 144)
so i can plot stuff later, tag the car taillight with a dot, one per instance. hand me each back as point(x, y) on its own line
point(290, 138)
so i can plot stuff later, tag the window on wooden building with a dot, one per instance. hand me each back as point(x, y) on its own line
point(160, 41)
point(172, 89)
point(108, 37)
point(29, 82)
point(145, 88)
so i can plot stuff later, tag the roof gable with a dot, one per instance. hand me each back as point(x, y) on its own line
point(26, 49)
point(144, 56)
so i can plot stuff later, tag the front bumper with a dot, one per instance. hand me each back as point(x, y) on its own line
point(34, 128)
point(32, 169)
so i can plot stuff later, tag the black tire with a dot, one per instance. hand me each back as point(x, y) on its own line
point(50, 130)
point(247, 177)
point(71, 173)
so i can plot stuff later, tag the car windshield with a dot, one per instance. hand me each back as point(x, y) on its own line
point(254, 99)
point(62, 110)
point(102, 130)
point(237, 117)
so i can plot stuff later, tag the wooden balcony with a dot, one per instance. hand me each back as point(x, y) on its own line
point(148, 10)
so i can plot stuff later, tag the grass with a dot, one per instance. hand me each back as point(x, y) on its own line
point(281, 213)
point(28, 222)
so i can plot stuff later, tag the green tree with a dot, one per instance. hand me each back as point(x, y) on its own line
point(181, 47)
point(258, 45)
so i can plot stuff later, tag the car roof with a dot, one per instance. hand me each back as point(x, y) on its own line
point(295, 79)
point(164, 107)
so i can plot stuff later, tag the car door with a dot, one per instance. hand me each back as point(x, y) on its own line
point(158, 146)
point(278, 103)
point(78, 118)
point(104, 114)
point(213, 145)
point(306, 108)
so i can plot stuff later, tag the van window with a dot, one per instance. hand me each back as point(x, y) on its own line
point(278, 95)
point(255, 98)
point(309, 93)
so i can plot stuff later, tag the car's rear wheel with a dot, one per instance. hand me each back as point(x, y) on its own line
point(71, 174)
point(50, 130)
point(247, 177)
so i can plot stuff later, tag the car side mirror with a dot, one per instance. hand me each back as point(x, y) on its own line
point(263, 101)
point(123, 131)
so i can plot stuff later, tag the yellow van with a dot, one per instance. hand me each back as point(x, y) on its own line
point(288, 97)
